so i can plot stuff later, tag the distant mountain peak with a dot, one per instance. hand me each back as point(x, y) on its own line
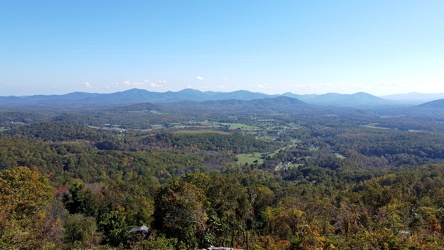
point(415, 97)
point(189, 90)
point(437, 104)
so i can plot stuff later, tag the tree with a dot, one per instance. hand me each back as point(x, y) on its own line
point(114, 227)
point(80, 231)
point(180, 212)
point(80, 199)
point(230, 209)
point(25, 196)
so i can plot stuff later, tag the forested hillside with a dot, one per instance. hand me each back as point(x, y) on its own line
point(299, 178)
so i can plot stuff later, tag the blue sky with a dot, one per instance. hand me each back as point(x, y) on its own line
point(304, 47)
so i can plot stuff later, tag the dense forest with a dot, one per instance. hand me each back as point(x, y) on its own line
point(298, 178)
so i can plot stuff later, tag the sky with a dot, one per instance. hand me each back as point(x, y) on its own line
point(380, 47)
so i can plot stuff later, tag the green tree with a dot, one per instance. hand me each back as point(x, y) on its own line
point(180, 212)
point(114, 227)
point(80, 199)
point(80, 232)
point(230, 209)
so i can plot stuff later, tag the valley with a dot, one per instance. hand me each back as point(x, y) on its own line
point(273, 173)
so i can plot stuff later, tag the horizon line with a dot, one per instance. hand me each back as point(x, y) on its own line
point(214, 91)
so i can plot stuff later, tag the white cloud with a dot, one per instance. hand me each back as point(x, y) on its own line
point(87, 85)
point(264, 86)
point(145, 83)
point(158, 84)
point(129, 83)
point(200, 78)
point(225, 78)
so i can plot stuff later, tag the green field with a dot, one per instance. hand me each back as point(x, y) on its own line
point(294, 142)
point(249, 158)
point(200, 131)
point(215, 125)
point(240, 126)
point(374, 125)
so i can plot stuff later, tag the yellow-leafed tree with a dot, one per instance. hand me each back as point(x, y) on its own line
point(25, 199)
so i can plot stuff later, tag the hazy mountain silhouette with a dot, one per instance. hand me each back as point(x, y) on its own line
point(135, 96)
point(271, 104)
point(414, 97)
point(437, 104)
point(342, 100)
point(131, 96)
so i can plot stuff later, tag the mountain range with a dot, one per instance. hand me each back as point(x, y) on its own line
point(414, 97)
point(135, 96)
point(437, 104)
point(359, 99)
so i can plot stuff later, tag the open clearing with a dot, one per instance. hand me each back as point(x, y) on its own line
point(200, 131)
point(250, 158)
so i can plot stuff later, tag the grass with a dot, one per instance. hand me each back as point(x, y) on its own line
point(338, 155)
point(216, 125)
point(374, 125)
point(294, 142)
point(249, 158)
point(240, 126)
point(265, 138)
point(200, 131)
